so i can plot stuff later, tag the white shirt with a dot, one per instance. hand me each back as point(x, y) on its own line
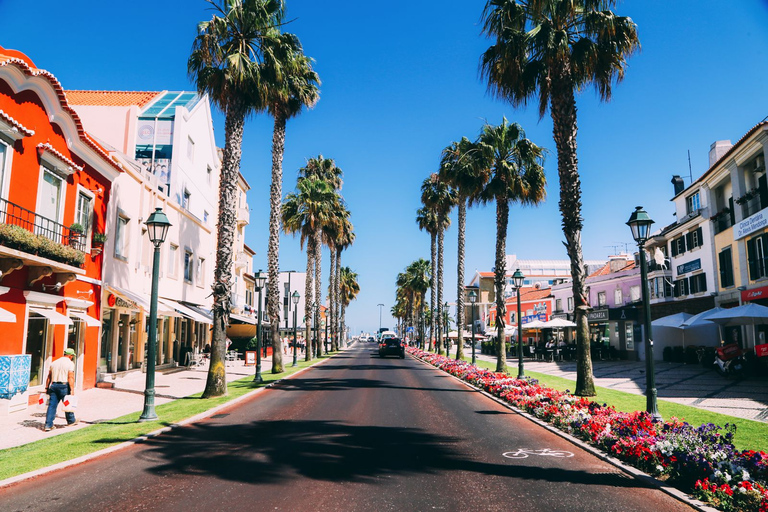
point(60, 369)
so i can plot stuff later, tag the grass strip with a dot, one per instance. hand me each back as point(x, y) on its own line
point(71, 445)
point(750, 435)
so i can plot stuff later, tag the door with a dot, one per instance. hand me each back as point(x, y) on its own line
point(37, 328)
point(49, 207)
point(75, 333)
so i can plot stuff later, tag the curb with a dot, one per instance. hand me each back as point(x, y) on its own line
point(630, 470)
point(106, 451)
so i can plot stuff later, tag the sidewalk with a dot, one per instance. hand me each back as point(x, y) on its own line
point(97, 404)
point(686, 384)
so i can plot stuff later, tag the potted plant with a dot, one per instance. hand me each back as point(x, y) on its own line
point(99, 239)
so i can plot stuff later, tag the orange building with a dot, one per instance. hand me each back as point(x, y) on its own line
point(535, 304)
point(55, 181)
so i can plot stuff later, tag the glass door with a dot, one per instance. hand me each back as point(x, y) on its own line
point(105, 354)
point(36, 334)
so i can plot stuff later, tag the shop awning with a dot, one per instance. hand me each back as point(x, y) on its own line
point(54, 317)
point(89, 320)
point(185, 311)
point(6, 316)
point(242, 319)
point(141, 301)
point(198, 309)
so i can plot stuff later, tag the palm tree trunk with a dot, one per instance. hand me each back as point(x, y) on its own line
point(308, 293)
point(318, 290)
point(563, 108)
point(432, 291)
point(331, 296)
point(460, 283)
point(337, 291)
point(343, 320)
point(216, 383)
point(273, 251)
point(502, 220)
point(440, 319)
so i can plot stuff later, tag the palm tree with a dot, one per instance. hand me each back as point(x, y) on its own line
point(227, 63)
point(305, 212)
point(349, 289)
point(345, 238)
point(292, 85)
point(427, 221)
point(441, 198)
point(514, 166)
point(419, 273)
point(458, 170)
point(552, 49)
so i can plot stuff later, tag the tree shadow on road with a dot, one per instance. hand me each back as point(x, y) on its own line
point(266, 452)
point(330, 384)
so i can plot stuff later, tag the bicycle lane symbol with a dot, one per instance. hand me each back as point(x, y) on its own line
point(523, 453)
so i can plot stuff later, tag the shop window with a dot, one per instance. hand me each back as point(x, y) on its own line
point(725, 259)
point(756, 256)
point(697, 283)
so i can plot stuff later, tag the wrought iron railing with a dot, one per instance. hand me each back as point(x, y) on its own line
point(13, 214)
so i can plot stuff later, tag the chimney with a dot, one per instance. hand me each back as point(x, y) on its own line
point(617, 263)
point(677, 182)
point(717, 150)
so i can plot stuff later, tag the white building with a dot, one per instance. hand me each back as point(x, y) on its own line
point(166, 144)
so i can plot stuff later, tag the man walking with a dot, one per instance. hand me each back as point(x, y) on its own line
point(60, 383)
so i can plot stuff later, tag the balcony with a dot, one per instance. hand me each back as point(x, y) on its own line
point(29, 239)
point(243, 216)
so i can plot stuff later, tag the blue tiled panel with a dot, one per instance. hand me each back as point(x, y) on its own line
point(14, 374)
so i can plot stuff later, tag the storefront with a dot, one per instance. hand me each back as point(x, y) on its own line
point(615, 329)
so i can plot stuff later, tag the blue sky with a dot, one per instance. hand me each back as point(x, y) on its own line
point(399, 85)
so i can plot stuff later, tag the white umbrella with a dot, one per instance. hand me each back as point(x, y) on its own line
point(534, 324)
point(748, 314)
point(701, 318)
point(557, 323)
point(677, 320)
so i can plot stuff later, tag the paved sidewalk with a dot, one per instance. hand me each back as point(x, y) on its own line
point(97, 404)
point(687, 384)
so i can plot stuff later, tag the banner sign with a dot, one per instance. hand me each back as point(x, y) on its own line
point(751, 224)
point(689, 267)
point(598, 315)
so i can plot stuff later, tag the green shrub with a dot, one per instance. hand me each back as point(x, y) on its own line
point(99, 238)
point(19, 238)
point(77, 228)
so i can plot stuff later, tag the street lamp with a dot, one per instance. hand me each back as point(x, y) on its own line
point(157, 230)
point(517, 279)
point(380, 310)
point(472, 300)
point(295, 299)
point(261, 280)
point(640, 223)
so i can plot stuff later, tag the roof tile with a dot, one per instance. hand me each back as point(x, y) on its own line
point(110, 98)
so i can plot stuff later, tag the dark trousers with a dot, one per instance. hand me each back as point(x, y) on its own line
point(56, 392)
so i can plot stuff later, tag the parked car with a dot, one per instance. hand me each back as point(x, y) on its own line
point(392, 347)
point(371, 339)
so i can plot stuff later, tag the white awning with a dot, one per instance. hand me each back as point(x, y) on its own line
point(54, 317)
point(89, 320)
point(142, 301)
point(7, 316)
point(243, 319)
point(185, 311)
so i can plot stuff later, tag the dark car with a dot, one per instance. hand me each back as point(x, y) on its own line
point(371, 339)
point(392, 347)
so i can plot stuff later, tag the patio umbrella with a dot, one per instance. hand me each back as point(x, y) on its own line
point(748, 314)
point(558, 323)
point(675, 320)
point(701, 318)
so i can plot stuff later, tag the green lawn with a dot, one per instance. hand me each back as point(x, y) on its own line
point(55, 449)
point(750, 435)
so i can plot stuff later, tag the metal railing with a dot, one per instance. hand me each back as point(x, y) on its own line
point(13, 214)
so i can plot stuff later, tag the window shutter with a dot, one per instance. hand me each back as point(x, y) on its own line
point(673, 247)
point(703, 282)
point(751, 259)
point(682, 247)
point(721, 267)
point(667, 289)
point(689, 240)
point(699, 236)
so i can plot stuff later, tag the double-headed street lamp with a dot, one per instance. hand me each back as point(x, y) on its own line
point(517, 279)
point(295, 299)
point(157, 230)
point(640, 223)
point(472, 300)
point(261, 280)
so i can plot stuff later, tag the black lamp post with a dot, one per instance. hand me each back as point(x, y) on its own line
point(518, 279)
point(640, 223)
point(261, 280)
point(157, 229)
point(295, 299)
point(472, 300)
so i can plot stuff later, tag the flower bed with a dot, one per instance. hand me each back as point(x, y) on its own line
point(699, 460)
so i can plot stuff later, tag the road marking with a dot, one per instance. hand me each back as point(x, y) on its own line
point(523, 453)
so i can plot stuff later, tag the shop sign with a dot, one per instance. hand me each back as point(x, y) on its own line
point(689, 267)
point(622, 314)
point(598, 315)
point(541, 307)
point(564, 316)
point(755, 293)
point(531, 318)
point(751, 224)
point(115, 301)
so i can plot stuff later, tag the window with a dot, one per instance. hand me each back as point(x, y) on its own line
point(697, 283)
point(188, 266)
point(205, 217)
point(678, 245)
point(681, 287)
point(601, 299)
point(570, 303)
point(756, 256)
point(618, 299)
point(660, 288)
point(201, 271)
point(693, 239)
point(725, 260)
point(190, 148)
point(3, 159)
point(692, 203)
point(173, 251)
point(558, 304)
point(50, 202)
point(634, 293)
point(185, 199)
point(121, 238)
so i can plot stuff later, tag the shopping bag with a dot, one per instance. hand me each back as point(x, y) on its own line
point(42, 401)
point(70, 403)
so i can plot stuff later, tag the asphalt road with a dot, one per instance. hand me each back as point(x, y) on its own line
point(358, 433)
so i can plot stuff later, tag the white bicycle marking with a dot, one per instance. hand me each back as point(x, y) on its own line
point(522, 453)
